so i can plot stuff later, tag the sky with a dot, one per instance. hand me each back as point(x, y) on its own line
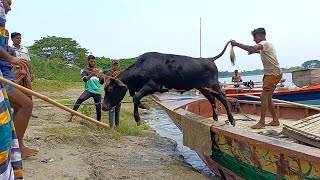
point(129, 28)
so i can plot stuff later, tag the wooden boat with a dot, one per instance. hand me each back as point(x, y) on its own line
point(239, 88)
point(303, 94)
point(306, 77)
point(240, 152)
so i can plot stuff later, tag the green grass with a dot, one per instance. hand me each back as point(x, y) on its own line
point(41, 85)
point(59, 97)
point(51, 71)
point(128, 126)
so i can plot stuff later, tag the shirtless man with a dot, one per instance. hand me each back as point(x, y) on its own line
point(236, 77)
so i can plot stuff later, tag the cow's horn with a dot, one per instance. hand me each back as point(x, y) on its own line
point(120, 83)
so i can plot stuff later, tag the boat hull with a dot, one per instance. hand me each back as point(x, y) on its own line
point(305, 94)
point(240, 154)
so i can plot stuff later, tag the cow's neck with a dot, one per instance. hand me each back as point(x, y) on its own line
point(124, 77)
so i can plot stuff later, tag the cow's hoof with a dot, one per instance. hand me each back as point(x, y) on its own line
point(233, 123)
point(215, 118)
point(138, 123)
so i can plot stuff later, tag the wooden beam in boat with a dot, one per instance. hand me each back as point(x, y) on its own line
point(287, 102)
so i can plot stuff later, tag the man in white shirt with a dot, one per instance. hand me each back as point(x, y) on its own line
point(272, 74)
point(21, 51)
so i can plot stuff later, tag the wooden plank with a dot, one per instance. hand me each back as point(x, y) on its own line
point(302, 132)
point(311, 125)
point(315, 129)
point(302, 124)
point(292, 134)
point(308, 127)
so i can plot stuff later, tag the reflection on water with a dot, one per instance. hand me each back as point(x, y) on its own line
point(161, 122)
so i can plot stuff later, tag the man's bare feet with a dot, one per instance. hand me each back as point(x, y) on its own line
point(258, 126)
point(273, 123)
point(27, 152)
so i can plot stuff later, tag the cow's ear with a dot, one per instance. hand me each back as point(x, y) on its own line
point(120, 83)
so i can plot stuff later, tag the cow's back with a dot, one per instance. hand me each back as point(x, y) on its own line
point(172, 71)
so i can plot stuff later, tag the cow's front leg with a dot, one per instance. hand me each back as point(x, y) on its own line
point(147, 89)
point(222, 98)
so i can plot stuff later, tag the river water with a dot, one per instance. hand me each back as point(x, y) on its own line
point(258, 78)
point(161, 122)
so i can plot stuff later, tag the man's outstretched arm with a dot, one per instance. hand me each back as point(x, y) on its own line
point(251, 49)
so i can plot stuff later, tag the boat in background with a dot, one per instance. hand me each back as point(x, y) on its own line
point(240, 152)
point(311, 93)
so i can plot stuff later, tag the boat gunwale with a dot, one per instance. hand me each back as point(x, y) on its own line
point(278, 93)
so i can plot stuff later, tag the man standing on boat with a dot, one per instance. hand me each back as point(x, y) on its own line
point(272, 74)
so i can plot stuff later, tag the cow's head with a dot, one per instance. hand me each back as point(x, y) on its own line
point(115, 91)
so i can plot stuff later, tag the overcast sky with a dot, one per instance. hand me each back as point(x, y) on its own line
point(128, 28)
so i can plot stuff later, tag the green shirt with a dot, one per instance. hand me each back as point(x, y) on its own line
point(93, 84)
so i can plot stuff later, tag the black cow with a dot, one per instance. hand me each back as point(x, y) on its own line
point(153, 71)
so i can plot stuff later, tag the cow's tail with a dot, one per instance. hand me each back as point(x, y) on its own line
point(219, 55)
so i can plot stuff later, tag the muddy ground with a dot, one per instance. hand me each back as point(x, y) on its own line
point(80, 150)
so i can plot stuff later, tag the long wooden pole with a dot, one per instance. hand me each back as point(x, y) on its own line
point(287, 102)
point(47, 99)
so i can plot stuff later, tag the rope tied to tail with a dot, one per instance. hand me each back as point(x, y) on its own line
point(232, 56)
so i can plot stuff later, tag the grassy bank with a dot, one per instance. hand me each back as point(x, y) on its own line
point(51, 77)
point(128, 125)
point(51, 71)
point(43, 85)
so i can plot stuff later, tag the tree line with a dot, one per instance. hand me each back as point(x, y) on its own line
point(69, 51)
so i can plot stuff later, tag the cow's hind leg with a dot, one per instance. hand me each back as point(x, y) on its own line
point(212, 101)
point(148, 88)
point(222, 98)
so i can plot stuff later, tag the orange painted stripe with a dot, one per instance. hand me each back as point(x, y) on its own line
point(18, 173)
point(4, 156)
point(4, 118)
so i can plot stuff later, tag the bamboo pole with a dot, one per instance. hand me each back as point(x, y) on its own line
point(47, 99)
point(287, 102)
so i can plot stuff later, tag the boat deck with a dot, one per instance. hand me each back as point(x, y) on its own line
point(245, 121)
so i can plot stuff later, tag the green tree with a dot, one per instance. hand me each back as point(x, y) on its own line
point(59, 48)
point(311, 64)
